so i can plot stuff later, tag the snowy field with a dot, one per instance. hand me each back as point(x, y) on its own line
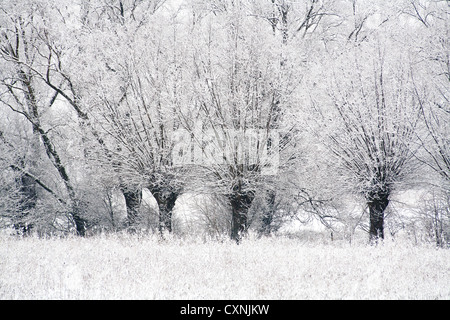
point(125, 267)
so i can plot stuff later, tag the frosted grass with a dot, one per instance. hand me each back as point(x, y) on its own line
point(125, 267)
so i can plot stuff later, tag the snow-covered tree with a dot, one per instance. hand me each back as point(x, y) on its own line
point(27, 62)
point(137, 91)
point(368, 122)
point(431, 75)
point(237, 77)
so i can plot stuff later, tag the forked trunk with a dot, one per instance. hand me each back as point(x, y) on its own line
point(166, 202)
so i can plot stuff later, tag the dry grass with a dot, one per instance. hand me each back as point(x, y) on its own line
point(125, 267)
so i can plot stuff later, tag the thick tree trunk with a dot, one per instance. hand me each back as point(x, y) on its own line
point(166, 202)
point(240, 203)
point(377, 204)
point(133, 201)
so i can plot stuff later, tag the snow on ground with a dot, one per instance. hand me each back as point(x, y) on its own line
point(127, 267)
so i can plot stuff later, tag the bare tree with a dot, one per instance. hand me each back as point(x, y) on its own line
point(25, 55)
point(431, 82)
point(235, 87)
point(137, 94)
point(369, 126)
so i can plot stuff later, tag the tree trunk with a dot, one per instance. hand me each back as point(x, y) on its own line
point(377, 204)
point(80, 223)
point(166, 202)
point(240, 203)
point(268, 214)
point(133, 201)
point(28, 200)
point(75, 208)
point(31, 112)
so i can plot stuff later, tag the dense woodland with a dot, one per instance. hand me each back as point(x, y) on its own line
point(263, 111)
